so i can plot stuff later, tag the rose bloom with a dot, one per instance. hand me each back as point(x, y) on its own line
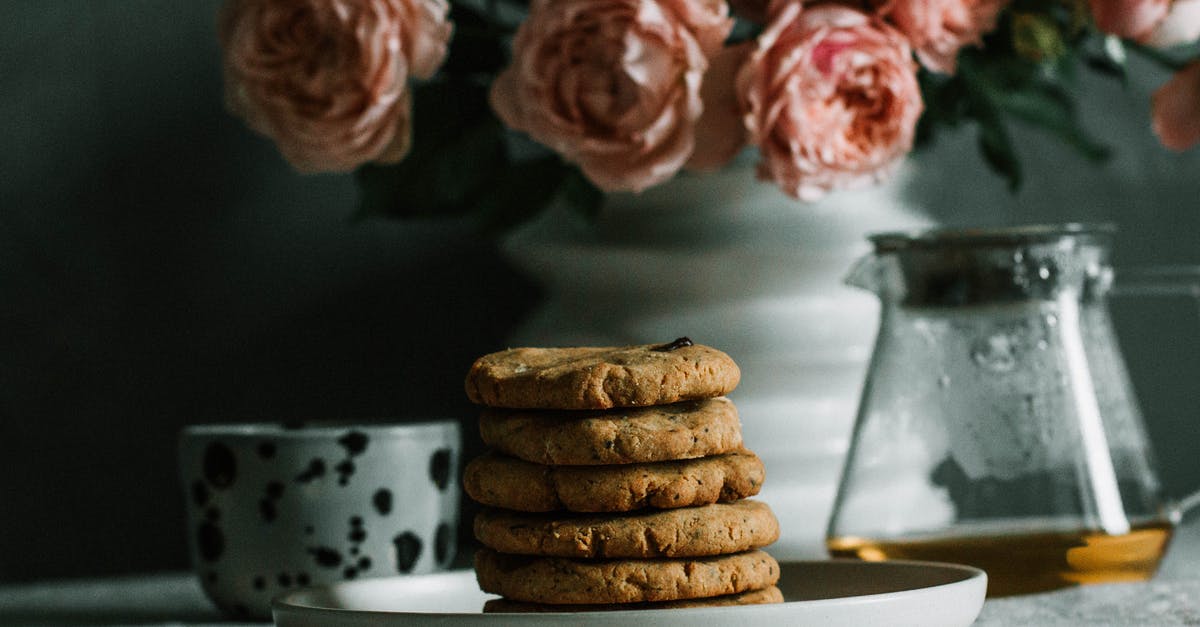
point(1180, 26)
point(613, 85)
point(327, 80)
point(831, 99)
point(937, 29)
point(1175, 109)
point(1131, 19)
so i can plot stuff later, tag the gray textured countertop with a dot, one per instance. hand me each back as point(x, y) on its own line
point(1172, 598)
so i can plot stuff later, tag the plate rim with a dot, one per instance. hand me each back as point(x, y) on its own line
point(970, 575)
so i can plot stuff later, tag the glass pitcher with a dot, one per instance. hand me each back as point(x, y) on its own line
point(998, 425)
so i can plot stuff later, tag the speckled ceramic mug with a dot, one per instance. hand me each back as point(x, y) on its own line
point(273, 506)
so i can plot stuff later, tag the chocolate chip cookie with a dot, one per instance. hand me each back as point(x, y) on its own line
point(715, 529)
point(601, 378)
point(511, 483)
point(767, 595)
point(559, 580)
point(683, 430)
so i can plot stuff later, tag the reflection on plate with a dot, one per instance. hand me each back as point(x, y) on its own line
point(828, 593)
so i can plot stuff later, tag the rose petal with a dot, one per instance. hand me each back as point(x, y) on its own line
point(1175, 109)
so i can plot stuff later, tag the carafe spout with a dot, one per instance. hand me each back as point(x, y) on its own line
point(866, 274)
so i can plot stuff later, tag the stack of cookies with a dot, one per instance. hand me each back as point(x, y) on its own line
point(615, 481)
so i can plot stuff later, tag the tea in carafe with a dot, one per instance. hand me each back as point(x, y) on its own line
point(1023, 563)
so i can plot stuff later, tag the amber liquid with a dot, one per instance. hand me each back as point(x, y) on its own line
point(1026, 563)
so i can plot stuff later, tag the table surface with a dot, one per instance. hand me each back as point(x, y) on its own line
point(1172, 598)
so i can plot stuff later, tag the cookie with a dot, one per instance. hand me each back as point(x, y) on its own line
point(560, 580)
point(617, 436)
point(601, 378)
point(511, 483)
point(754, 597)
point(716, 529)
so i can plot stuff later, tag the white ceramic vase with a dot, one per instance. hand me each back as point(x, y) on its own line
point(732, 263)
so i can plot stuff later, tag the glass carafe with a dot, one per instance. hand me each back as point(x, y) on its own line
point(998, 426)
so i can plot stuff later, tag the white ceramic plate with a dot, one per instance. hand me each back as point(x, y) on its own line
point(833, 593)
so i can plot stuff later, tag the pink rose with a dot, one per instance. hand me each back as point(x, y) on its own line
point(937, 29)
point(1180, 26)
point(1131, 19)
point(613, 85)
point(327, 80)
point(831, 99)
point(1175, 109)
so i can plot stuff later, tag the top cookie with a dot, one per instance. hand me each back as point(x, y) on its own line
point(601, 378)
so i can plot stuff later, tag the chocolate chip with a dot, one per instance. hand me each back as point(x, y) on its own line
point(678, 343)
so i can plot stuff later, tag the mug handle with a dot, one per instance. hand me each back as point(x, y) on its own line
point(1163, 281)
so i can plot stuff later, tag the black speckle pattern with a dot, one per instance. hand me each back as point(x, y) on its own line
point(309, 530)
point(220, 466)
point(408, 551)
point(266, 450)
point(303, 579)
point(260, 583)
point(210, 541)
point(325, 556)
point(292, 425)
point(345, 470)
point(443, 541)
point(284, 579)
point(316, 469)
point(439, 468)
point(350, 572)
point(364, 563)
point(267, 506)
point(357, 533)
point(355, 442)
point(199, 493)
point(382, 500)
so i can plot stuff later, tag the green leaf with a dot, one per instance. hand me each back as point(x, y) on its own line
point(1050, 108)
point(994, 140)
point(997, 149)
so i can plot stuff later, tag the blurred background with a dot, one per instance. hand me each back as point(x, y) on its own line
point(160, 265)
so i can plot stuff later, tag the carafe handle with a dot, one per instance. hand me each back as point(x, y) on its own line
point(1163, 281)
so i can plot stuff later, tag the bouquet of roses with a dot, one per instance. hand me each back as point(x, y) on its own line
point(500, 107)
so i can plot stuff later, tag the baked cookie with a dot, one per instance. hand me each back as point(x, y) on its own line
point(559, 580)
point(753, 597)
point(601, 378)
point(617, 436)
point(716, 529)
point(511, 483)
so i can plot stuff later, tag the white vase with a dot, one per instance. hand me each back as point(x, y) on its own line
point(732, 263)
